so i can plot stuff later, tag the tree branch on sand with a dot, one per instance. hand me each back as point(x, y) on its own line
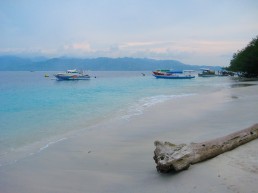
point(171, 157)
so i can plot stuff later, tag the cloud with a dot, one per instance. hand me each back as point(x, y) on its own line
point(78, 47)
point(143, 44)
point(209, 52)
point(177, 47)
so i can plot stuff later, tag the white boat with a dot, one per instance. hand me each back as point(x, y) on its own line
point(72, 75)
point(172, 74)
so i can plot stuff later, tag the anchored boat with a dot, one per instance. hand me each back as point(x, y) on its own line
point(72, 75)
point(205, 72)
point(173, 74)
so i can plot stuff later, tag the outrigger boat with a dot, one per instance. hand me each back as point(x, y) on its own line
point(205, 72)
point(173, 74)
point(72, 75)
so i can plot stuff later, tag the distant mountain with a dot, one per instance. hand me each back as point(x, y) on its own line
point(14, 63)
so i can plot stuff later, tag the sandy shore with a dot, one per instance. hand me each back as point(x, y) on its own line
point(116, 156)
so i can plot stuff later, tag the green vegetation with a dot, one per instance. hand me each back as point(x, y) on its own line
point(245, 61)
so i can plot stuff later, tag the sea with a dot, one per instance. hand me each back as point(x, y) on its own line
point(38, 111)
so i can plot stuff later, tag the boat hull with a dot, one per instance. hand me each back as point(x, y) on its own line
point(74, 77)
point(173, 77)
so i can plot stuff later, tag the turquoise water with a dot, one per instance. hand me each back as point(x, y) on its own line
point(34, 108)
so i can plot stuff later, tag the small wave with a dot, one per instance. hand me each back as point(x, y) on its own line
point(6, 161)
point(144, 103)
point(50, 143)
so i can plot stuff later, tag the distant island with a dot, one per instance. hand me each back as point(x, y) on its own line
point(15, 63)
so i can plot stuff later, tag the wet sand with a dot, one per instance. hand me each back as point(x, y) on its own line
point(116, 156)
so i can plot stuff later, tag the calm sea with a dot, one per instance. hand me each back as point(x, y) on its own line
point(36, 109)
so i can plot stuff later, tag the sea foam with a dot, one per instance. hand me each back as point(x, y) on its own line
point(146, 102)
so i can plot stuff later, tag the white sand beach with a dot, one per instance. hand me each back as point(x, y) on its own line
point(115, 156)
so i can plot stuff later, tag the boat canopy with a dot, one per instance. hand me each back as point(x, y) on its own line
point(72, 71)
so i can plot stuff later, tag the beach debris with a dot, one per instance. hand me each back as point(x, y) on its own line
point(170, 157)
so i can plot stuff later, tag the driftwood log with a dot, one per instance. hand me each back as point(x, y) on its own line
point(171, 157)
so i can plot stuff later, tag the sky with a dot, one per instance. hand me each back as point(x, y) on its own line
point(199, 32)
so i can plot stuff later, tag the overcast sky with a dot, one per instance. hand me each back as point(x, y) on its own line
point(202, 32)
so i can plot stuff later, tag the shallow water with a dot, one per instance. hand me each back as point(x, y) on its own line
point(39, 109)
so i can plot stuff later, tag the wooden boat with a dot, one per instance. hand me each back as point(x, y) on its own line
point(172, 74)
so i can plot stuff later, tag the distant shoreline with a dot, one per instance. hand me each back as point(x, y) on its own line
point(14, 63)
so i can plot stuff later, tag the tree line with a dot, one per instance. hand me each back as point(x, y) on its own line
point(245, 61)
